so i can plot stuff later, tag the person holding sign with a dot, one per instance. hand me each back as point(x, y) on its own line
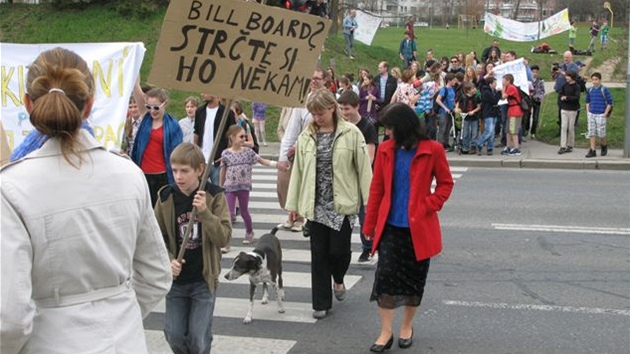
point(158, 135)
point(190, 302)
point(331, 156)
point(83, 260)
point(349, 26)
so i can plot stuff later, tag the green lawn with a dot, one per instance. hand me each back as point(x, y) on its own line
point(99, 23)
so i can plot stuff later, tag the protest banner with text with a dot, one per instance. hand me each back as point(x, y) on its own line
point(238, 49)
point(115, 67)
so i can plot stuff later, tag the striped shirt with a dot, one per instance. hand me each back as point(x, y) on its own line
point(598, 97)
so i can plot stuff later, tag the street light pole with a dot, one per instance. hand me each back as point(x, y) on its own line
point(626, 142)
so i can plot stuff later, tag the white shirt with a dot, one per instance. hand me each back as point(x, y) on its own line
point(208, 131)
point(188, 126)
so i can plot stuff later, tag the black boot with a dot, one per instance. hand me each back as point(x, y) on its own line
point(604, 150)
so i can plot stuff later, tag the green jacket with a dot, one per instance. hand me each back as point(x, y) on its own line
point(352, 172)
point(216, 229)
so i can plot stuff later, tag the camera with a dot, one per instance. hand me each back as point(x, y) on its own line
point(555, 68)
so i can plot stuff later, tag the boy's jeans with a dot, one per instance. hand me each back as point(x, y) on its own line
point(188, 318)
point(488, 134)
point(470, 129)
point(444, 128)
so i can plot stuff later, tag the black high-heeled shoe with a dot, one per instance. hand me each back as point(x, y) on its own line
point(405, 343)
point(379, 348)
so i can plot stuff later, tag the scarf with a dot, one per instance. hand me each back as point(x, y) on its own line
point(172, 137)
point(35, 140)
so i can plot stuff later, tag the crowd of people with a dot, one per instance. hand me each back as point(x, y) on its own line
point(116, 277)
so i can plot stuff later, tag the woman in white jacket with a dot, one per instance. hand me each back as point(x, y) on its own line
point(82, 257)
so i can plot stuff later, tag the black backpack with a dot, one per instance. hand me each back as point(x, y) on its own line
point(526, 103)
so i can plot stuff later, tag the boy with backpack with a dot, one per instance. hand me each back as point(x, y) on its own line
point(514, 115)
point(444, 105)
point(599, 105)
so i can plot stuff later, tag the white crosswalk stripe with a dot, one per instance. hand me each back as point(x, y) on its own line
point(266, 214)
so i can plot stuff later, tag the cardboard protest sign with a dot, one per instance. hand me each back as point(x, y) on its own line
point(115, 67)
point(238, 49)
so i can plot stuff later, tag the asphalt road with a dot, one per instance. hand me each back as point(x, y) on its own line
point(534, 261)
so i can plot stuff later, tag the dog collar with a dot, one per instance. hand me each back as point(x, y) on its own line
point(258, 254)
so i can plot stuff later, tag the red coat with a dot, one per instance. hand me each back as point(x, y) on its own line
point(428, 162)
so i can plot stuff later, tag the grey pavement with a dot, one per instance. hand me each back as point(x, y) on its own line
point(535, 155)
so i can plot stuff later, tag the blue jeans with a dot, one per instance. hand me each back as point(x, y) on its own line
point(488, 134)
point(349, 37)
point(188, 318)
point(470, 129)
point(214, 174)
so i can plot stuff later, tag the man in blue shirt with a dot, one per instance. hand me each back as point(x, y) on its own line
point(349, 25)
point(446, 101)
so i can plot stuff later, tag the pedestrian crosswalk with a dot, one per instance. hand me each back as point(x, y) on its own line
point(266, 214)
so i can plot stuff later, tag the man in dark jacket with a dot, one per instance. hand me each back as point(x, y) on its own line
point(207, 121)
point(385, 83)
point(569, 105)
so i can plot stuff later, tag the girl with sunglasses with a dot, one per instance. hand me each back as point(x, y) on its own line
point(158, 135)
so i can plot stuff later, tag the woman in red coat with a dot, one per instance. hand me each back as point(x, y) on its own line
point(401, 218)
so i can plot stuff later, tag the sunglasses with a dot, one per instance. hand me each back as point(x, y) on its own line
point(155, 108)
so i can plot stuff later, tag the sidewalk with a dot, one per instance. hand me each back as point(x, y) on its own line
point(535, 155)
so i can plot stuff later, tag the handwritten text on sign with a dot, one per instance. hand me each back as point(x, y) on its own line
point(238, 49)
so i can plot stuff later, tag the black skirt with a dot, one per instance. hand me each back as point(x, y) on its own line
point(399, 279)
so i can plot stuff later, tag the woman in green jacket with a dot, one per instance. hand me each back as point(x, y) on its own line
point(330, 177)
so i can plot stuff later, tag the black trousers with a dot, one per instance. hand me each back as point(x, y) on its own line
point(330, 256)
point(156, 181)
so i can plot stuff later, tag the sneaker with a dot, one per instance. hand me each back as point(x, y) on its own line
point(591, 153)
point(562, 151)
point(533, 136)
point(569, 149)
point(225, 249)
point(479, 151)
point(249, 238)
point(489, 152)
point(351, 57)
point(265, 143)
point(364, 257)
point(288, 224)
point(340, 295)
point(505, 151)
point(320, 314)
point(473, 150)
point(604, 150)
point(298, 226)
point(515, 152)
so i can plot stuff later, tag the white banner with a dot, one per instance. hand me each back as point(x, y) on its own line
point(517, 69)
point(115, 67)
point(526, 31)
point(367, 26)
